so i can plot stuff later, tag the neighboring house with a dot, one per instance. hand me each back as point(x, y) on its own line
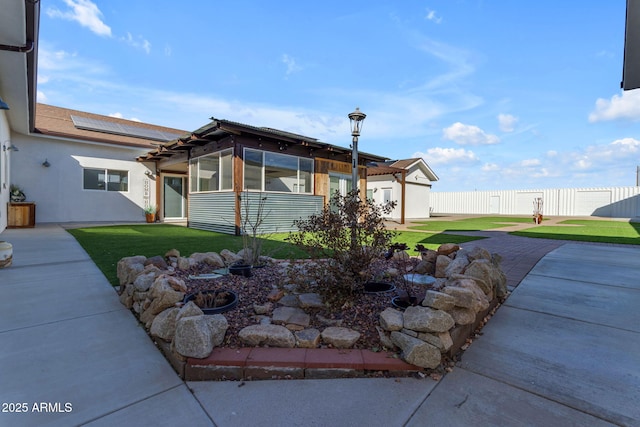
point(78, 166)
point(295, 174)
point(407, 182)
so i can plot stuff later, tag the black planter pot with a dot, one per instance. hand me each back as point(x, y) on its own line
point(378, 287)
point(402, 302)
point(230, 303)
point(241, 270)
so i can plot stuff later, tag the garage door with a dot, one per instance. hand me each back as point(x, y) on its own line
point(588, 202)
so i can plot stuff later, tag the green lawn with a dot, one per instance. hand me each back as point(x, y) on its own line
point(471, 224)
point(107, 245)
point(587, 231)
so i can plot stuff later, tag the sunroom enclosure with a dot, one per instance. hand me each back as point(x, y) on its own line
point(232, 166)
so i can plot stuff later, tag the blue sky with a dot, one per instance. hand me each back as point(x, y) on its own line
point(495, 94)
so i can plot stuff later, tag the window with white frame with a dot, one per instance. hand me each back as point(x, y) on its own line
point(213, 172)
point(105, 179)
point(267, 171)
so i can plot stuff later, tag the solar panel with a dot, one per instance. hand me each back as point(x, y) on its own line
point(87, 123)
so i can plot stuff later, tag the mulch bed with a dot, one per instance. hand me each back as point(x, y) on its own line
point(361, 315)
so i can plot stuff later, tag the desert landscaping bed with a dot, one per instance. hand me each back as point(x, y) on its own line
point(278, 311)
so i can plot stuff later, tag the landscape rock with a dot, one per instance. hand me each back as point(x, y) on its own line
point(128, 268)
point(193, 337)
point(438, 300)
point(126, 300)
point(271, 335)
point(275, 295)
point(457, 266)
point(391, 320)
point(489, 272)
point(416, 351)
point(480, 301)
point(310, 300)
point(340, 337)
point(478, 253)
point(442, 262)
point(289, 301)
point(329, 322)
point(164, 324)
point(263, 308)
point(385, 339)
point(440, 340)
point(429, 255)
point(463, 316)
point(229, 257)
point(308, 338)
point(188, 310)
point(185, 263)
point(425, 267)
point(447, 248)
point(426, 319)
point(172, 253)
point(218, 326)
point(157, 261)
point(463, 297)
point(290, 315)
point(419, 279)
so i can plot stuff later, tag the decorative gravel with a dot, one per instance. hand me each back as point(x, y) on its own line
point(361, 316)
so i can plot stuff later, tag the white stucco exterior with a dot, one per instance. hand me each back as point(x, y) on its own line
point(58, 189)
point(5, 140)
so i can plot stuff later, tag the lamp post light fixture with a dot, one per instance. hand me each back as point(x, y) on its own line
point(356, 118)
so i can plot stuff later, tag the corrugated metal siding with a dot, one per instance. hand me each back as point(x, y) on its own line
point(216, 211)
point(281, 209)
point(624, 202)
point(213, 212)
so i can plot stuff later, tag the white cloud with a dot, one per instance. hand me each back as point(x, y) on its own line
point(619, 107)
point(290, 62)
point(432, 16)
point(552, 153)
point(526, 163)
point(41, 97)
point(138, 42)
point(442, 156)
point(117, 115)
point(84, 12)
point(507, 122)
point(468, 135)
point(490, 167)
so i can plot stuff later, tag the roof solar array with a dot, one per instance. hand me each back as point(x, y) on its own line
point(87, 123)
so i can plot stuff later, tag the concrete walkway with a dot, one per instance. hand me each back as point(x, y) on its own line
point(563, 350)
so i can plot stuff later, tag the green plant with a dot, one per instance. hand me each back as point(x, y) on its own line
point(151, 209)
point(350, 249)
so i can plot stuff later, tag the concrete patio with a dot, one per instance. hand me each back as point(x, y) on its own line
point(563, 350)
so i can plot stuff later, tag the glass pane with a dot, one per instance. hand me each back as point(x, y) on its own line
point(280, 173)
point(208, 173)
point(118, 180)
point(252, 170)
point(173, 197)
point(306, 176)
point(93, 179)
point(193, 175)
point(226, 160)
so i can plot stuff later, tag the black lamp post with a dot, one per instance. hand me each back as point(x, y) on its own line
point(356, 118)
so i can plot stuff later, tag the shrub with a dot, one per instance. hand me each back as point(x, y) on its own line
point(350, 234)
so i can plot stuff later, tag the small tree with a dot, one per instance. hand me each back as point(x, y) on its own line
point(252, 216)
point(330, 235)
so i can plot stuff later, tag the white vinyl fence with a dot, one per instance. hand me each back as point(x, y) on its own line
point(614, 202)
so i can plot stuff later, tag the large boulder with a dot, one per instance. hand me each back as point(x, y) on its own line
point(438, 300)
point(425, 319)
point(489, 272)
point(448, 249)
point(479, 302)
point(209, 258)
point(164, 324)
point(229, 257)
point(128, 268)
point(193, 337)
point(442, 262)
point(271, 335)
point(416, 351)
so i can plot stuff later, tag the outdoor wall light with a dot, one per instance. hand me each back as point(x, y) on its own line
point(46, 163)
point(3, 105)
point(11, 147)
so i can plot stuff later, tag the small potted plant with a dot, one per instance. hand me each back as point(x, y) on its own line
point(16, 194)
point(150, 213)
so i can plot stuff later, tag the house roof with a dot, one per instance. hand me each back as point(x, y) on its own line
point(218, 129)
point(391, 167)
point(67, 123)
